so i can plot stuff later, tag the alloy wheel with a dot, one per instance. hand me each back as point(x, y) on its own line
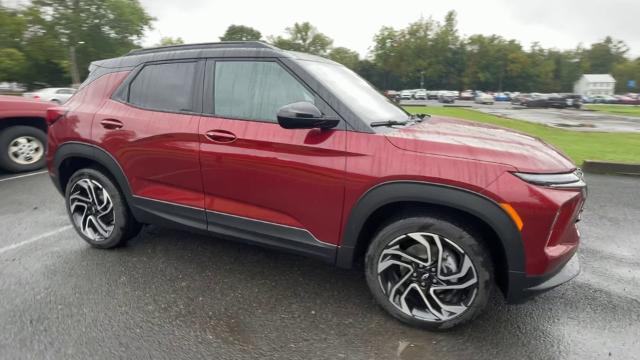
point(91, 209)
point(427, 276)
point(25, 150)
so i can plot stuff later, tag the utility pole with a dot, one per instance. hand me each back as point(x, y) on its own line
point(422, 79)
point(75, 73)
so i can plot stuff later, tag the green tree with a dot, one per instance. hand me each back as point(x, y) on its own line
point(603, 56)
point(303, 37)
point(241, 33)
point(12, 64)
point(88, 29)
point(344, 56)
point(168, 41)
point(623, 72)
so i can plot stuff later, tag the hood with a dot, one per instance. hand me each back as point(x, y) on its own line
point(470, 140)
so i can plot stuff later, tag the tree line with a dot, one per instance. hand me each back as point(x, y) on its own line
point(52, 42)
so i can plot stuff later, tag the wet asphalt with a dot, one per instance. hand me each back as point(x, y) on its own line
point(176, 295)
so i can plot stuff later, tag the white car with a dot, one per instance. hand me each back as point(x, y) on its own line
point(483, 98)
point(54, 95)
point(406, 94)
point(420, 94)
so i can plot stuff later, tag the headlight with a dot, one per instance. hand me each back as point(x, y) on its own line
point(565, 180)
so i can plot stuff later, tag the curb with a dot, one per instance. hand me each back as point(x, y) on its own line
point(606, 167)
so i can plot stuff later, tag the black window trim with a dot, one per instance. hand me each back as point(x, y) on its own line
point(209, 86)
point(122, 92)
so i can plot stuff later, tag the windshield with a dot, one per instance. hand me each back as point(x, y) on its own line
point(356, 93)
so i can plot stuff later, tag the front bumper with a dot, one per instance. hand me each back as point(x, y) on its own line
point(523, 288)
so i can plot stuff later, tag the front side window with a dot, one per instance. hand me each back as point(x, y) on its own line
point(255, 90)
point(164, 87)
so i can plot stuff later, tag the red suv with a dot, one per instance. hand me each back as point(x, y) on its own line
point(296, 152)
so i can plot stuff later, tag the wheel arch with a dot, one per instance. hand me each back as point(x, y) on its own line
point(72, 156)
point(479, 210)
point(33, 121)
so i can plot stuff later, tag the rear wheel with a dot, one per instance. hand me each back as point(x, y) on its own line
point(429, 272)
point(22, 148)
point(98, 211)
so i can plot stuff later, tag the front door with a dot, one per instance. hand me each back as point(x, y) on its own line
point(261, 181)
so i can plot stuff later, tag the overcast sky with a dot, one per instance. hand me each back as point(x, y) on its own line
point(352, 23)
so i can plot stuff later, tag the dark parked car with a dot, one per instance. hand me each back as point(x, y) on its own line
point(447, 98)
point(520, 99)
point(293, 151)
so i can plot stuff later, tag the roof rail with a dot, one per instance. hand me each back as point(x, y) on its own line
point(212, 45)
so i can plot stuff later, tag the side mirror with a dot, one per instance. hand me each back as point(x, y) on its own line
point(304, 115)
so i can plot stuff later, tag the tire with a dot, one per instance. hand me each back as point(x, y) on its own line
point(98, 227)
point(29, 145)
point(472, 260)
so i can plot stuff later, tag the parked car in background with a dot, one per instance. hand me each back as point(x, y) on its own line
point(604, 99)
point(446, 97)
point(484, 98)
point(54, 95)
point(442, 213)
point(406, 95)
point(23, 136)
point(502, 97)
point(536, 101)
point(392, 95)
point(466, 95)
point(519, 99)
point(627, 100)
point(556, 101)
point(573, 100)
point(420, 94)
point(433, 94)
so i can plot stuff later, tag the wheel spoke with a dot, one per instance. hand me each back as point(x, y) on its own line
point(404, 255)
point(401, 282)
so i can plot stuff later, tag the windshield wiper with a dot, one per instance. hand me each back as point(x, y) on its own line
point(388, 123)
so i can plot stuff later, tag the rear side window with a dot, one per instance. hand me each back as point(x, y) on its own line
point(255, 90)
point(165, 87)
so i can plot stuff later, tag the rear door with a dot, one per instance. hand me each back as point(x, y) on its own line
point(285, 185)
point(151, 129)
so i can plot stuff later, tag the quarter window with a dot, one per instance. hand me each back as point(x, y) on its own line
point(255, 90)
point(165, 87)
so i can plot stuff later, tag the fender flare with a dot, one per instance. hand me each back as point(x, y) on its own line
point(93, 153)
point(467, 201)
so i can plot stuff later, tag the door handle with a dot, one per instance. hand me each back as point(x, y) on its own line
point(221, 136)
point(111, 124)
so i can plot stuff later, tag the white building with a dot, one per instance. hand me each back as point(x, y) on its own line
point(595, 84)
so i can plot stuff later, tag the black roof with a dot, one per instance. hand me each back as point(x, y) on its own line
point(238, 49)
point(201, 46)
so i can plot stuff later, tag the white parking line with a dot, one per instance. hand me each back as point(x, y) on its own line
point(22, 176)
point(34, 239)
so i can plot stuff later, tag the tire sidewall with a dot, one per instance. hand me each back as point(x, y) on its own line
point(121, 216)
point(9, 134)
point(458, 235)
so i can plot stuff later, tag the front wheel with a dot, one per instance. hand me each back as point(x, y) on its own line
point(429, 272)
point(98, 211)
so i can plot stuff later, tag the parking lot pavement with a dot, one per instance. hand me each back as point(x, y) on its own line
point(569, 119)
point(172, 295)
